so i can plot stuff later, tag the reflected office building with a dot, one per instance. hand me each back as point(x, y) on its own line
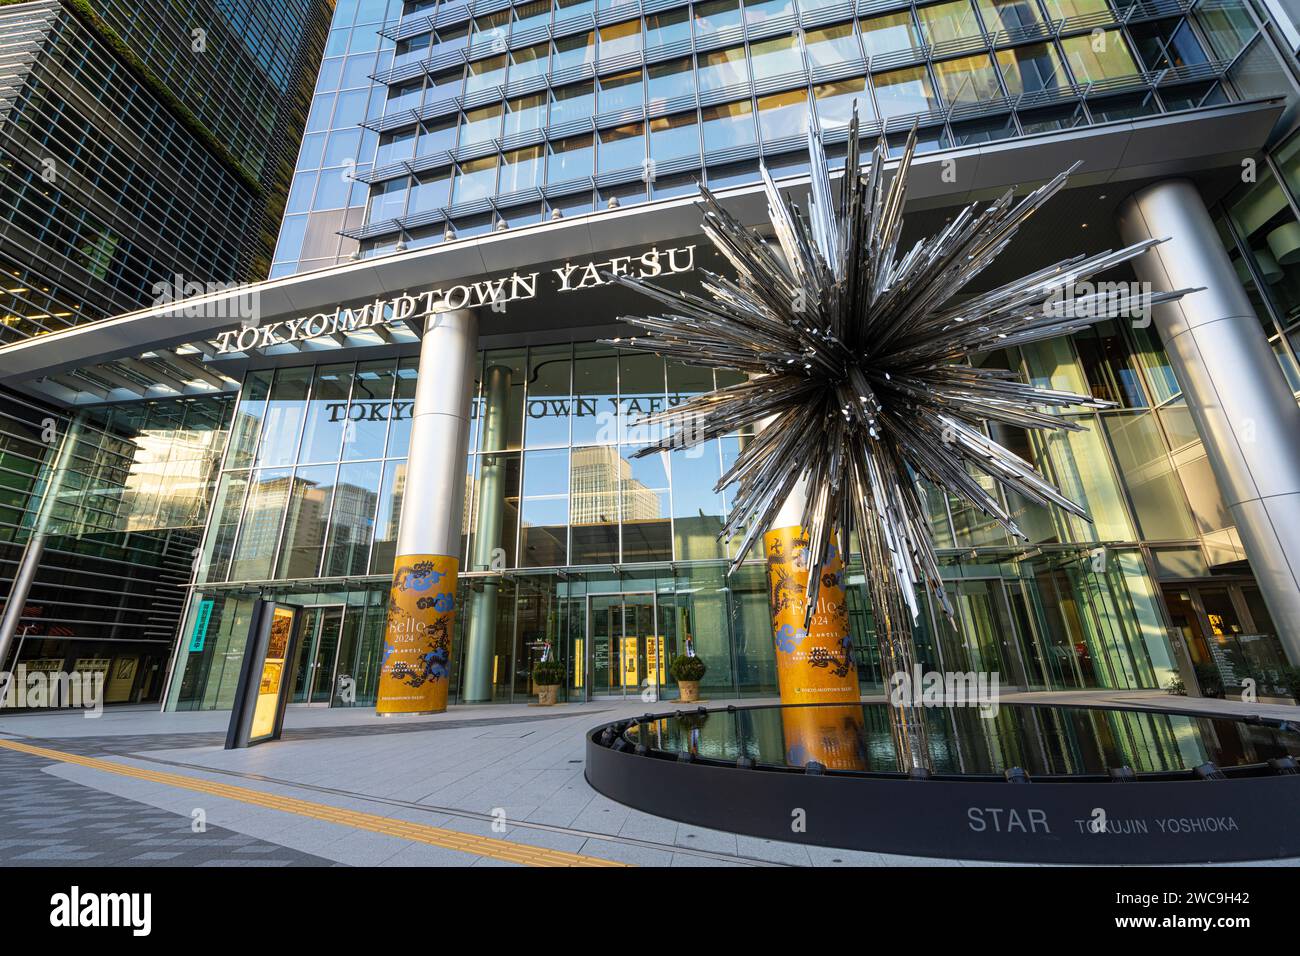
point(494, 168)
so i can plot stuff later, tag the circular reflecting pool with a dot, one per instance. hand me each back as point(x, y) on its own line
point(1046, 741)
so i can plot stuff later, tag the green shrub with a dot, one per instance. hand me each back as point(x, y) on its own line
point(548, 673)
point(1207, 675)
point(688, 668)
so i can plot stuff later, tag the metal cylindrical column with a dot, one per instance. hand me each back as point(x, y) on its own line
point(1238, 397)
point(31, 559)
point(489, 512)
point(416, 660)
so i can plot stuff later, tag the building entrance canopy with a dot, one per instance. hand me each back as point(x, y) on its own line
point(201, 344)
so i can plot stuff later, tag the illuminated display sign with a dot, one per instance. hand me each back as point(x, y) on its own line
point(495, 293)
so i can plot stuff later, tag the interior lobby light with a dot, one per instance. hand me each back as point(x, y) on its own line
point(1284, 242)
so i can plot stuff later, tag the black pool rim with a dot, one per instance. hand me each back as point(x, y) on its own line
point(1243, 813)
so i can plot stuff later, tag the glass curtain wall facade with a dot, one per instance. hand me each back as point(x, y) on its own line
point(434, 121)
point(543, 108)
point(326, 197)
point(144, 146)
point(613, 561)
point(123, 533)
point(189, 180)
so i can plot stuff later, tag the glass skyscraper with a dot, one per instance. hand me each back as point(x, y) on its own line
point(145, 151)
point(449, 145)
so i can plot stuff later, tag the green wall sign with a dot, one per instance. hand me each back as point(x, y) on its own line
point(201, 625)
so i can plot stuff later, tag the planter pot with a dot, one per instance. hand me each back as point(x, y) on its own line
point(548, 694)
point(690, 690)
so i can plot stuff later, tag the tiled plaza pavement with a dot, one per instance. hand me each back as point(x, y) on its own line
point(473, 780)
point(46, 821)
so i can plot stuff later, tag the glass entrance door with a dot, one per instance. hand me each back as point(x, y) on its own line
point(318, 644)
point(625, 650)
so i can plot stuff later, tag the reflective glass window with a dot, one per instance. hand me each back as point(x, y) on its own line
point(669, 80)
point(529, 62)
point(388, 517)
point(760, 11)
point(970, 79)
point(835, 102)
point(716, 15)
point(670, 27)
point(259, 531)
point(890, 34)
point(284, 415)
point(399, 427)
point(722, 68)
point(727, 125)
point(573, 102)
point(570, 158)
point(572, 8)
point(778, 56)
point(1010, 14)
point(395, 146)
point(621, 91)
point(530, 15)
point(369, 409)
point(1029, 69)
point(436, 136)
point(550, 396)
point(475, 179)
point(904, 91)
point(948, 21)
point(521, 169)
point(595, 389)
point(387, 200)
point(829, 46)
point(310, 498)
point(620, 38)
point(674, 136)
point(544, 509)
point(485, 74)
point(352, 518)
point(481, 125)
point(1065, 9)
point(431, 190)
point(326, 413)
point(645, 506)
point(622, 147)
point(574, 51)
point(525, 113)
point(1099, 57)
point(783, 115)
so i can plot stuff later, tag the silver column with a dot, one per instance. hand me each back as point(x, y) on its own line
point(31, 559)
point(1240, 401)
point(433, 503)
point(489, 512)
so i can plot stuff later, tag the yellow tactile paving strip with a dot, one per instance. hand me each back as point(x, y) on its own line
point(416, 832)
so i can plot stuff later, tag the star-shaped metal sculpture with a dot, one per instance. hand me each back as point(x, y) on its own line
point(859, 366)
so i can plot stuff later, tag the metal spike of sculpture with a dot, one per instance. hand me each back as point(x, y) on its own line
point(858, 362)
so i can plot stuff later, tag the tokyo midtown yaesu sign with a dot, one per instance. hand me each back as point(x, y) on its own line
point(495, 292)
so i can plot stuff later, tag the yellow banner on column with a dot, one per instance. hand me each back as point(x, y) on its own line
point(416, 662)
point(835, 737)
point(816, 665)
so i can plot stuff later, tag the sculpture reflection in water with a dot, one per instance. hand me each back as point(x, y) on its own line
point(859, 365)
point(1046, 741)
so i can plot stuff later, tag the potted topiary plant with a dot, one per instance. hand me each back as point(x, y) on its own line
point(547, 678)
point(687, 671)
